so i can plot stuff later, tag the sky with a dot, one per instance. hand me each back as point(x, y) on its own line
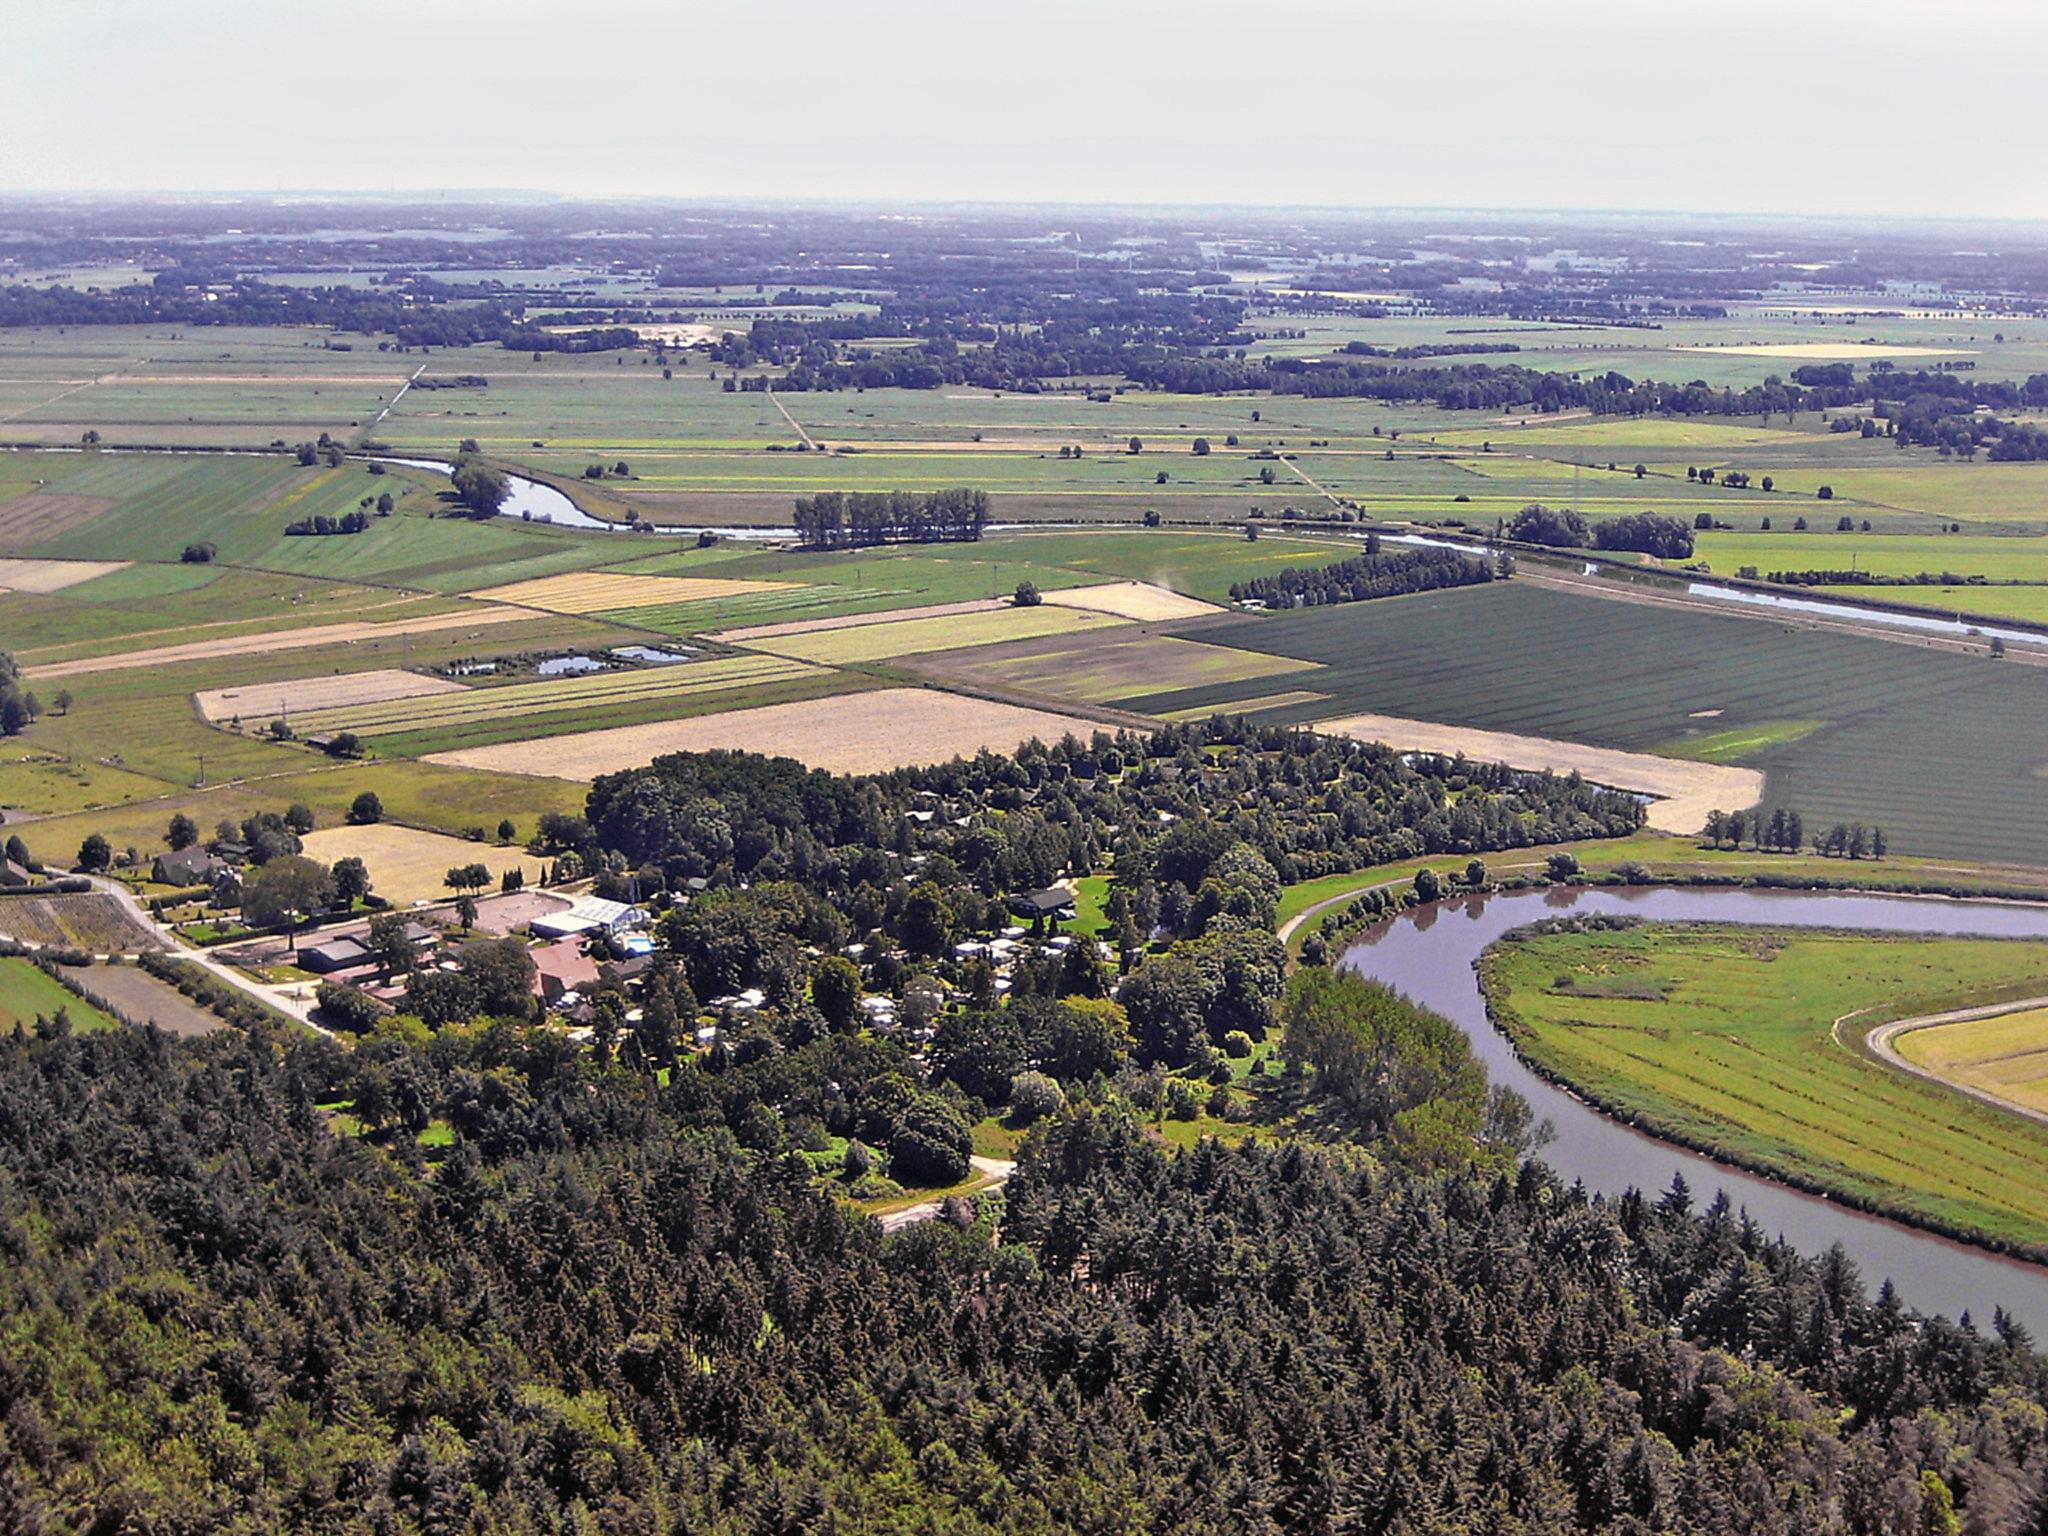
point(1903, 107)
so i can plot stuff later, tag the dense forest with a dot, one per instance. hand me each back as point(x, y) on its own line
point(1376, 573)
point(597, 1314)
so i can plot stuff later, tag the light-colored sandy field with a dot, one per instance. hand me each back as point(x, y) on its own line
point(857, 620)
point(301, 695)
point(915, 637)
point(53, 575)
point(277, 640)
point(407, 865)
point(602, 591)
point(1825, 351)
point(1248, 706)
point(1138, 600)
point(851, 733)
point(1685, 791)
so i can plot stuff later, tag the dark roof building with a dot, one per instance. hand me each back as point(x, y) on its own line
point(1050, 902)
point(188, 866)
point(334, 955)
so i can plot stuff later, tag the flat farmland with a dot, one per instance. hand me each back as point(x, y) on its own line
point(468, 620)
point(1102, 669)
point(450, 800)
point(27, 994)
point(617, 591)
point(129, 992)
point(887, 639)
point(848, 733)
point(203, 386)
point(1993, 557)
point(1517, 658)
point(523, 711)
point(408, 865)
point(1726, 1037)
point(261, 701)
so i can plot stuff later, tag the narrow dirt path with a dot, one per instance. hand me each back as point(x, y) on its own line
point(797, 426)
point(994, 1169)
point(1879, 1043)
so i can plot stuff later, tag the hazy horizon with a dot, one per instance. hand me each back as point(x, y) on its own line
point(1748, 109)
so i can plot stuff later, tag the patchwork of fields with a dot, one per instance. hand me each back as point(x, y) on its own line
point(1516, 658)
point(847, 733)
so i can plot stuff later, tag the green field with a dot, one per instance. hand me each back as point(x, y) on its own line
point(26, 994)
point(1513, 657)
point(1722, 1038)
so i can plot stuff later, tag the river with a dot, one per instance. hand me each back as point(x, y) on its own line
point(1428, 953)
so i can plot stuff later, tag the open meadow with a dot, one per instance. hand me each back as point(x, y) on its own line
point(1728, 1039)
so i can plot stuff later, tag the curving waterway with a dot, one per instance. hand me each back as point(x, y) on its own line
point(1428, 953)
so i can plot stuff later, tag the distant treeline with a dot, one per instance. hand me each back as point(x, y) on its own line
point(849, 519)
point(1872, 579)
point(1363, 577)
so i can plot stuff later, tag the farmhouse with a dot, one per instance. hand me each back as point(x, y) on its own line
point(187, 867)
point(13, 876)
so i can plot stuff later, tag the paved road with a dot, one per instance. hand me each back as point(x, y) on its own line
point(996, 1171)
point(297, 1000)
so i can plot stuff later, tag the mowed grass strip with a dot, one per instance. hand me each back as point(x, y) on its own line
point(518, 700)
point(1724, 1037)
point(26, 995)
point(912, 637)
point(610, 591)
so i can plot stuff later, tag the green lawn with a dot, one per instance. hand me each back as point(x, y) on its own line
point(26, 994)
point(1722, 1038)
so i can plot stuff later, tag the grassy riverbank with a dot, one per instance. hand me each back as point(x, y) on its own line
point(1723, 1038)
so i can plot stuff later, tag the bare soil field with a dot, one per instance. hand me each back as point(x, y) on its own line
point(407, 865)
point(1102, 670)
point(29, 519)
point(277, 640)
point(1138, 600)
point(88, 920)
point(45, 576)
point(262, 701)
point(852, 733)
point(603, 591)
point(897, 636)
point(857, 620)
point(138, 996)
point(1685, 792)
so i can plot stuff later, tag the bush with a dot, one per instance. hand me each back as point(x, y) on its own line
point(1184, 1100)
point(861, 1161)
point(349, 1008)
point(931, 1144)
point(365, 809)
point(1237, 1045)
point(1034, 1095)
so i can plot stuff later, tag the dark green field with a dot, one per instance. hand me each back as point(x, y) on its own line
point(1947, 752)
